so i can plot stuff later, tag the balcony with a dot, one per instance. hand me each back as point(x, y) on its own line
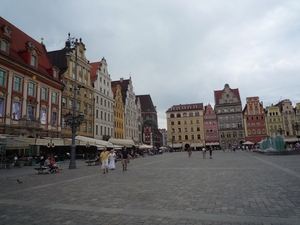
point(29, 124)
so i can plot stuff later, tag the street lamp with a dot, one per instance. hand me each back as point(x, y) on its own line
point(71, 119)
point(296, 127)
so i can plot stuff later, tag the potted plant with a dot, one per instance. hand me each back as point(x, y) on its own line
point(10, 164)
point(21, 164)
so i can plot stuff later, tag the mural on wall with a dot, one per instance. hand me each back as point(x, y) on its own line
point(43, 116)
point(16, 111)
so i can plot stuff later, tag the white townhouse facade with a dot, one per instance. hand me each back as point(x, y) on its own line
point(104, 101)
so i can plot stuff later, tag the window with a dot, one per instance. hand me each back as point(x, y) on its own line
point(97, 130)
point(4, 46)
point(64, 102)
point(30, 112)
point(85, 109)
point(70, 104)
point(55, 97)
point(2, 78)
point(1, 107)
point(54, 119)
point(31, 89)
point(84, 126)
point(44, 93)
point(91, 110)
point(55, 73)
point(33, 60)
point(17, 84)
point(90, 127)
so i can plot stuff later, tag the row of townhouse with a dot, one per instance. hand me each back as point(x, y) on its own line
point(228, 123)
point(38, 88)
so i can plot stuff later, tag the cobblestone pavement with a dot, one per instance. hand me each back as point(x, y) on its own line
point(232, 188)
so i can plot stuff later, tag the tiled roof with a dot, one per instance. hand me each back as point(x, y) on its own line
point(186, 107)
point(146, 103)
point(59, 59)
point(218, 94)
point(124, 87)
point(19, 41)
point(93, 72)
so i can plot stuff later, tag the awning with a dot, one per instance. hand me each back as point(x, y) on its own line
point(30, 141)
point(68, 142)
point(212, 143)
point(42, 142)
point(124, 142)
point(143, 146)
point(197, 145)
point(176, 145)
point(291, 139)
point(94, 142)
point(248, 143)
point(10, 144)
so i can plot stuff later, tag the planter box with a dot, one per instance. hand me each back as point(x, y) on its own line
point(21, 164)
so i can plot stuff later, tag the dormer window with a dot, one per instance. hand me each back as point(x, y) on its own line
point(33, 60)
point(4, 45)
point(55, 73)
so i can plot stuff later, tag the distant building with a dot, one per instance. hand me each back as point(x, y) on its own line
point(254, 120)
point(131, 108)
point(66, 60)
point(211, 127)
point(104, 101)
point(118, 112)
point(228, 107)
point(185, 126)
point(274, 122)
point(164, 134)
point(151, 134)
point(288, 119)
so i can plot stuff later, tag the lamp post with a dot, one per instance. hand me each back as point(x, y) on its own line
point(172, 139)
point(71, 119)
point(296, 127)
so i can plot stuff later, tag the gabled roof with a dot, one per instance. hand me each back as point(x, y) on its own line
point(19, 41)
point(59, 59)
point(146, 103)
point(124, 87)
point(94, 67)
point(186, 107)
point(218, 93)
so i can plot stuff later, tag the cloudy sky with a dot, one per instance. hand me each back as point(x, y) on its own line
point(178, 51)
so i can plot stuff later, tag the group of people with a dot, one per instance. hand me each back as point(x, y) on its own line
point(50, 162)
point(109, 158)
point(203, 152)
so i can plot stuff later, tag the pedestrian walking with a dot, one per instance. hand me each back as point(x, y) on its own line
point(189, 152)
point(125, 156)
point(104, 160)
point(203, 152)
point(112, 160)
point(210, 152)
